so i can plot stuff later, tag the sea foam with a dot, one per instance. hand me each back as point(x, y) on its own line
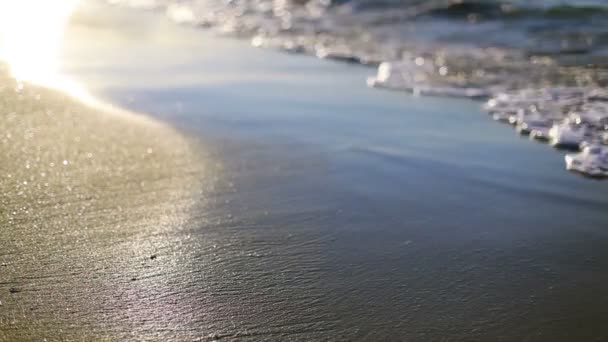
point(541, 65)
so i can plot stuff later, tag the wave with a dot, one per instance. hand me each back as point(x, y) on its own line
point(465, 48)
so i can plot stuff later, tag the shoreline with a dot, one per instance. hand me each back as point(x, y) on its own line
point(566, 115)
point(322, 210)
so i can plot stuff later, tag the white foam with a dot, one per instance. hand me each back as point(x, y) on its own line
point(414, 76)
point(572, 118)
point(567, 135)
point(592, 161)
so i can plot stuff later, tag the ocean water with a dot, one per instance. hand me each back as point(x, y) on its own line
point(541, 61)
point(478, 43)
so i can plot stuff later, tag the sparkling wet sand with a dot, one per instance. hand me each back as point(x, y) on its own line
point(85, 194)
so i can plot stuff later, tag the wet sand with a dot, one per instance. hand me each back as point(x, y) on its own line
point(86, 194)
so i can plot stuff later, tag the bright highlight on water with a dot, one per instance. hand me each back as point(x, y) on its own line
point(31, 35)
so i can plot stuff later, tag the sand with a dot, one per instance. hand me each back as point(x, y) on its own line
point(81, 192)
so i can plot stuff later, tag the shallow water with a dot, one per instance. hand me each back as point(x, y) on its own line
point(345, 213)
point(485, 43)
point(465, 48)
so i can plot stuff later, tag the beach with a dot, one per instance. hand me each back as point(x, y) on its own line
point(86, 194)
point(269, 196)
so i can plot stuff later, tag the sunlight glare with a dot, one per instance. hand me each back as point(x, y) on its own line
point(31, 33)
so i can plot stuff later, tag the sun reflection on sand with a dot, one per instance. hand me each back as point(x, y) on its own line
point(31, 36)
